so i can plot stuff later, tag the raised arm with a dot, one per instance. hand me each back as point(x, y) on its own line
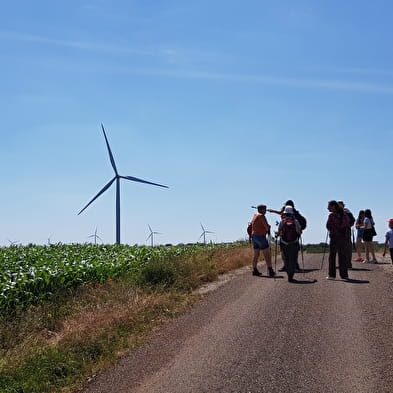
point(275, 211)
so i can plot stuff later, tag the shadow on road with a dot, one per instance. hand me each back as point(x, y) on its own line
point(359, 269)
point(306, 270)
point(266, 276)
point(354, 281)
point(304, 282)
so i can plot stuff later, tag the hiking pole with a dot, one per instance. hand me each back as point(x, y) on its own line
point(324, 249)
point(301, 251)
point(353, 240)
point(275, 258)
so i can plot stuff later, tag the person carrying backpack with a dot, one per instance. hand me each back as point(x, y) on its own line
point(337, 225)
point(349, 244)
point(301, 219)
point(289, 231)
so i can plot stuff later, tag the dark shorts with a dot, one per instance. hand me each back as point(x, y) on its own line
point(360, 234)
point(368, 235)
point(259, 242)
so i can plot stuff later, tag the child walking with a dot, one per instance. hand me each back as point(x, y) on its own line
point(389, 240)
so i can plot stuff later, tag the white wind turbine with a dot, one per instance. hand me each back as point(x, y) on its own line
point(203, 234)
point(95, 236)
point(151, 236)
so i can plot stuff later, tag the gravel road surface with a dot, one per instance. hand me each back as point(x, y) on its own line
point(257, 334)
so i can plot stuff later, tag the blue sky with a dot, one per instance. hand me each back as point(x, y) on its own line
point(228, 103)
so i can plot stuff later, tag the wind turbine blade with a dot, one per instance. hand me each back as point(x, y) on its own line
point(151, 231)
point(101, 192)
point(142, 181)
point(208, 232)
point(109, 151)
point(149, 236)
point(203, 229)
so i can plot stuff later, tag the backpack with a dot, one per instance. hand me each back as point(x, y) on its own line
point(249, 229)
point(344, 225)
point(288, 231)
point(351, 218)
point(301, 219)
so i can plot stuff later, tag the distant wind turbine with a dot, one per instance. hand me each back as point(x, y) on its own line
point(13, 243)
point(117, 178)
point(95, 236)
point(203, 234)
point(151, 236)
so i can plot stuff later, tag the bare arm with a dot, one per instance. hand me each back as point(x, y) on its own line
point(274, 211)
point(384, 249)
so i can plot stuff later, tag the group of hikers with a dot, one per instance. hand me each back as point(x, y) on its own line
point(339, 229)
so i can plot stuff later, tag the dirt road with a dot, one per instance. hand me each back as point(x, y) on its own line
point(267, 335)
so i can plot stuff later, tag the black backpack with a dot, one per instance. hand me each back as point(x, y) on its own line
point(351, 218)
point(301, 219)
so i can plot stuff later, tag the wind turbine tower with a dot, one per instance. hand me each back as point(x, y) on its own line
point(117, 178)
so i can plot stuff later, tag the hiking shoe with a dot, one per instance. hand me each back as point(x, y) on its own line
point(365, 261)
point(292, 280)
point(330, 278)
point(347, 279)
point(256, 272)
point(373, 261)
point(272, 273)
point(282, 269)
point(358, 259)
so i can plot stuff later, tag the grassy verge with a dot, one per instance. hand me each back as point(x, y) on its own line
point(56, 346)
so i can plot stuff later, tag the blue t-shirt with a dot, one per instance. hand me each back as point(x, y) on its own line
point(389, 238)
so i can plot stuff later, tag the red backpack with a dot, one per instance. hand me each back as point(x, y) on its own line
point(288, 231)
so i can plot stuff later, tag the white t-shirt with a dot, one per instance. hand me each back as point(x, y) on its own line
point(368, 223)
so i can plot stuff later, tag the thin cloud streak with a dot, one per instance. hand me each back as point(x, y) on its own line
point(79, 44)
point(169, 55)
point(236, 78)
point(354, 71)
point(272, 80)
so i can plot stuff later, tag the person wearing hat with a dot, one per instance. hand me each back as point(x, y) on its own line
point(389, 240)
point(349, 244)
point(289, 231)
point(302, 221)
point(260, 228)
